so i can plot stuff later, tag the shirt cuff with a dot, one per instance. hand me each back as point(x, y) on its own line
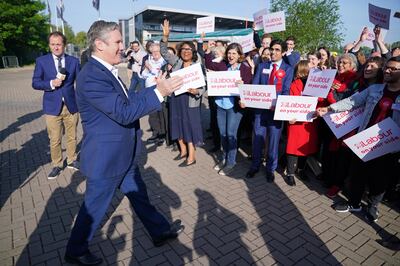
point(159, 96)
point(51, 86)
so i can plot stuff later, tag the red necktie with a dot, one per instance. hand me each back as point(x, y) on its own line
point(272, 75)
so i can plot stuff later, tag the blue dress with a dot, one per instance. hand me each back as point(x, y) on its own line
point(185, 121)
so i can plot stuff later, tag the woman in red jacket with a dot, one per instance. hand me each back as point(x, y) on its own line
point(302, 136)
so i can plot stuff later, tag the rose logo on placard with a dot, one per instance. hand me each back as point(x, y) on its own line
point(279, 74)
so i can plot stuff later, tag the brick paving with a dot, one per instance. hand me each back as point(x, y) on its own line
point(229, 220)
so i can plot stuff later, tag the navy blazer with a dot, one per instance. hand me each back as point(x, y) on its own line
point(110, 121)
point(292, 59)
point(262, 78)
point(45, 71)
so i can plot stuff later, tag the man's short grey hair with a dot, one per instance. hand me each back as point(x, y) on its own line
point(100, 30)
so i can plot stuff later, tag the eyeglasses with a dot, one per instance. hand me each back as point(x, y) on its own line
point(344, 63)
point(186, 49)
point(391, 69)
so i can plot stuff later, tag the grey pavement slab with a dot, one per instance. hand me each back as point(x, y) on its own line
point(229, 220)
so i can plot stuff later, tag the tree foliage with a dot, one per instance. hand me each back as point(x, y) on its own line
point(80, 39)
point(23, 27)
point(312, 22)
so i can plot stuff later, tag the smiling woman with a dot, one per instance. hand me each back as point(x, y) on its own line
point(185, 117)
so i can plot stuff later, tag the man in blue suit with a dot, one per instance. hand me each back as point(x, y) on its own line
point(55, 74)
point(111, 142)
point(291, 56)
point(278, 73)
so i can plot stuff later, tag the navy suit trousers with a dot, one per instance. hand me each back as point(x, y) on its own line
point(99, 193)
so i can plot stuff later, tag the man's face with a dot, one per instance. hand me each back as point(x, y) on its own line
point(266, 42)
point(391, 72)
point(56, 45)
point(135, 47)
point(111, 49)
point(155, 52)
point(396, 52)
point(290, 45)
point(276, 53)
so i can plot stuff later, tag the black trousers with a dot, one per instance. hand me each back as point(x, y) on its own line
point(376, 174)
point(295, 162)
point(157, 123)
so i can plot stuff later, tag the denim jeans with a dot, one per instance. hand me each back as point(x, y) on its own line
point(228, 124)
point(135, 82)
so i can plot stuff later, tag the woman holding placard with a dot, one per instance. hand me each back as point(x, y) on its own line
point(337, 155)
point(229, 112)
point(302, 137)
point(185, 117)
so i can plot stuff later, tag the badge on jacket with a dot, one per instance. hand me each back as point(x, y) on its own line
point(266, 71)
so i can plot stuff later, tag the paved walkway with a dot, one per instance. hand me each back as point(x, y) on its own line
point(229, 220)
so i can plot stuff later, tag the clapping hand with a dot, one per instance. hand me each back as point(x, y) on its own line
point(167, 86)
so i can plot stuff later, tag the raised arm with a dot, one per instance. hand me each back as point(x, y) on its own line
point(170, 58)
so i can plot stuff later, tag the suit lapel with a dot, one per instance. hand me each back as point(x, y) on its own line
point(110, 75)
point(52, 67)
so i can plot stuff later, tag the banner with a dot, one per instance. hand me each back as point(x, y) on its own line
point(301, 108)
point(258, 19)
point(319, 82)
point(376, 141)
point(258, 96)
point(193, 78)
point(205, 24)
point(344, 122)
point(245, 41)
point(223, 83)
point(274, 22)
point(379, 16)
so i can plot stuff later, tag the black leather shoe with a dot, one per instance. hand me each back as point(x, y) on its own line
point(270, 177)
point(179, 157)
point(175, 229)
point(290, 180)
point(74, 165)
point(54, 173)
point(251, 173)
point(187, 163)
point(86, 259)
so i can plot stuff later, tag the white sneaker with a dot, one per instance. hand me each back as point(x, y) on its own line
point(227, 170)
point(219, 165)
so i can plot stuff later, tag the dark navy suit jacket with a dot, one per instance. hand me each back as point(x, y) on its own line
point(45, 70)
point(110, 121)
point(261, 77)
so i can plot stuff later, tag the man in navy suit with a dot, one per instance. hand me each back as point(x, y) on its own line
point(59, 104)
point(278, 73)
point(291, 56)
point(111, 142)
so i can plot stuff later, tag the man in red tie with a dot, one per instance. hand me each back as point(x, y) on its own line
point(278, 73)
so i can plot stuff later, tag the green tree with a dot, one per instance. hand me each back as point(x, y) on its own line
point(23, 28)
point(80, 39)
point(312, 22)
point(69, 33)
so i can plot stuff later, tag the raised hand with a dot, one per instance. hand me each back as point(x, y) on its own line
point(377, 32)
point(364, 34)
point(165, 28)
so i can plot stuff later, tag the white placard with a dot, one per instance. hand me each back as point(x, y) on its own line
point(319, 82)
point(193, 78)
point(376, 141)
point(274, 22)
point(379, 16)
point(258, 96)
point(371, 37)
point(223, 83)
point(344, 122)
point(245, 41)
point(205, 24)
point(258, 19)
point(301, 108)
